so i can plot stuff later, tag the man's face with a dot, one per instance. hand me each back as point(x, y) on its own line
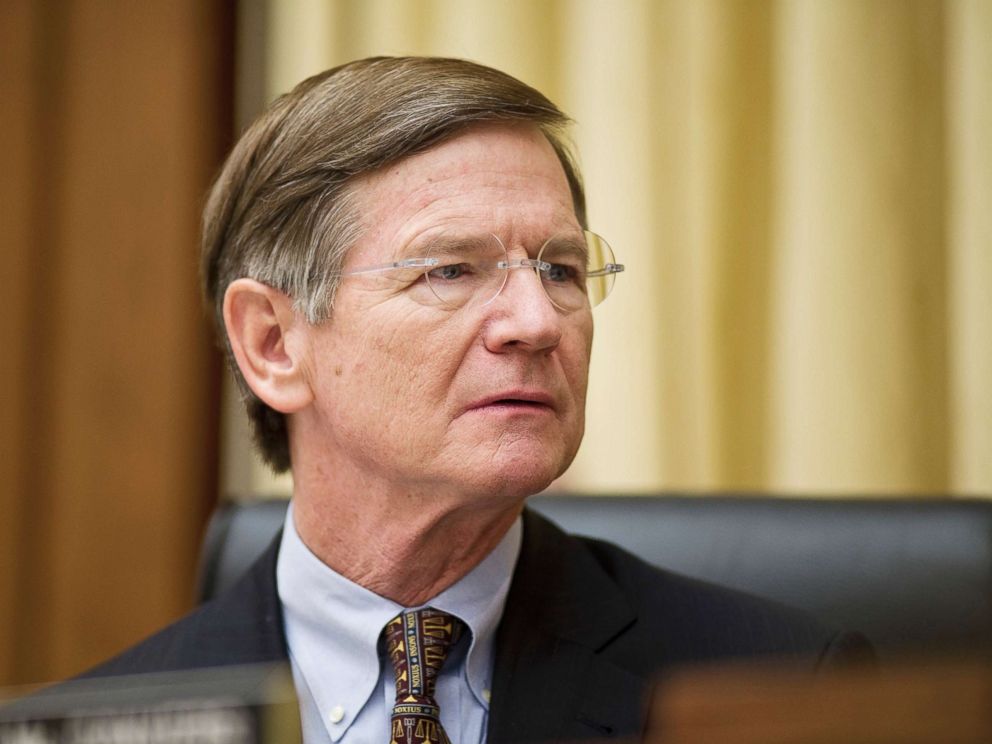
point(427, 399)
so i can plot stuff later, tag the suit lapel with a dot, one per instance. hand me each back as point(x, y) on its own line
point(549, 683)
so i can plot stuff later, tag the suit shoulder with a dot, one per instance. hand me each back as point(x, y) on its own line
point(713, 622)
point(242, 626)
point(684, 619)
point(650, 584)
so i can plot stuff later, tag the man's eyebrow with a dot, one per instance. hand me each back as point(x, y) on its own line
point(569, 243)
point(448, 243)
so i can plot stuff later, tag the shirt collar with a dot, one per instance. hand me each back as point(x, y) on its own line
point(333, 624)
point(478, 599)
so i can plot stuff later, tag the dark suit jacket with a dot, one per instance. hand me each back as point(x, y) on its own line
point(587, 627)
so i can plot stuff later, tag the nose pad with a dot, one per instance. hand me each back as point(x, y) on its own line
point(526, 263)
point(534, 264)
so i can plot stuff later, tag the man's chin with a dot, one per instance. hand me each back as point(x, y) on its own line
point(511, 469)
point(520, 478)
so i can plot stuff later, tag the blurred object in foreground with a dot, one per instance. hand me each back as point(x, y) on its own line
point(923, 703)
point(229, 705)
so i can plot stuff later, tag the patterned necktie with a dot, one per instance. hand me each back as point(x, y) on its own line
point(418, 643)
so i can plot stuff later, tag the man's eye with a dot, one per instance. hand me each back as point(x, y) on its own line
point(449, 272)
point(560, 273)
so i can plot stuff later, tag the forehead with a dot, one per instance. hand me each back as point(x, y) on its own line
point(503, 179)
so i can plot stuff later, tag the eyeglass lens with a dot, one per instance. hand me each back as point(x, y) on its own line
point(574, 270)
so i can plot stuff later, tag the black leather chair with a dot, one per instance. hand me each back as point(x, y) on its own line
point(913, 575)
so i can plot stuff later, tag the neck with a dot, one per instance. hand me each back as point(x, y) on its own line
point(405, 547)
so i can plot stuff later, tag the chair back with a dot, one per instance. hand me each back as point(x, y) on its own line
point(912, 574)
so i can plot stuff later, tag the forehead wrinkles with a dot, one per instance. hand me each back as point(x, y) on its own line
point(520, 215)
point(506, 182)
point(469, 187)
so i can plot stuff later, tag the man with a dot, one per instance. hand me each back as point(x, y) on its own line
point(398, 260)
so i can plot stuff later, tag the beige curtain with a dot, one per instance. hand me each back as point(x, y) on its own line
point(802, 193)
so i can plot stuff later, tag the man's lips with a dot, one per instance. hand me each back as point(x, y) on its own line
point(515, 398)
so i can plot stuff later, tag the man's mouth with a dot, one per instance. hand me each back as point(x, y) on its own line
point(516, 399)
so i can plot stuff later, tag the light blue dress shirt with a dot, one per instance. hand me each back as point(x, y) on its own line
point(346, 688)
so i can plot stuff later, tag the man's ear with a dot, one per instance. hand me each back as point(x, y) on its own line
point(266, 336)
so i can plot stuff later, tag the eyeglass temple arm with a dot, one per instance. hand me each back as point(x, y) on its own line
point(610, 268)
point(409, 263)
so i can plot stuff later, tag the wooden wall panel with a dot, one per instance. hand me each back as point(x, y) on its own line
point(118, 450)
point(16, 183)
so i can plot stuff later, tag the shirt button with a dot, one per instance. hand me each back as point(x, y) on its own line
point(336, 714)
point(488, 695)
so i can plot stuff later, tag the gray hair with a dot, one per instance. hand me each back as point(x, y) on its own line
point(281, 211)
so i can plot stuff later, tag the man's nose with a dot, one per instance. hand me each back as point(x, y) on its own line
point(522, 315)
